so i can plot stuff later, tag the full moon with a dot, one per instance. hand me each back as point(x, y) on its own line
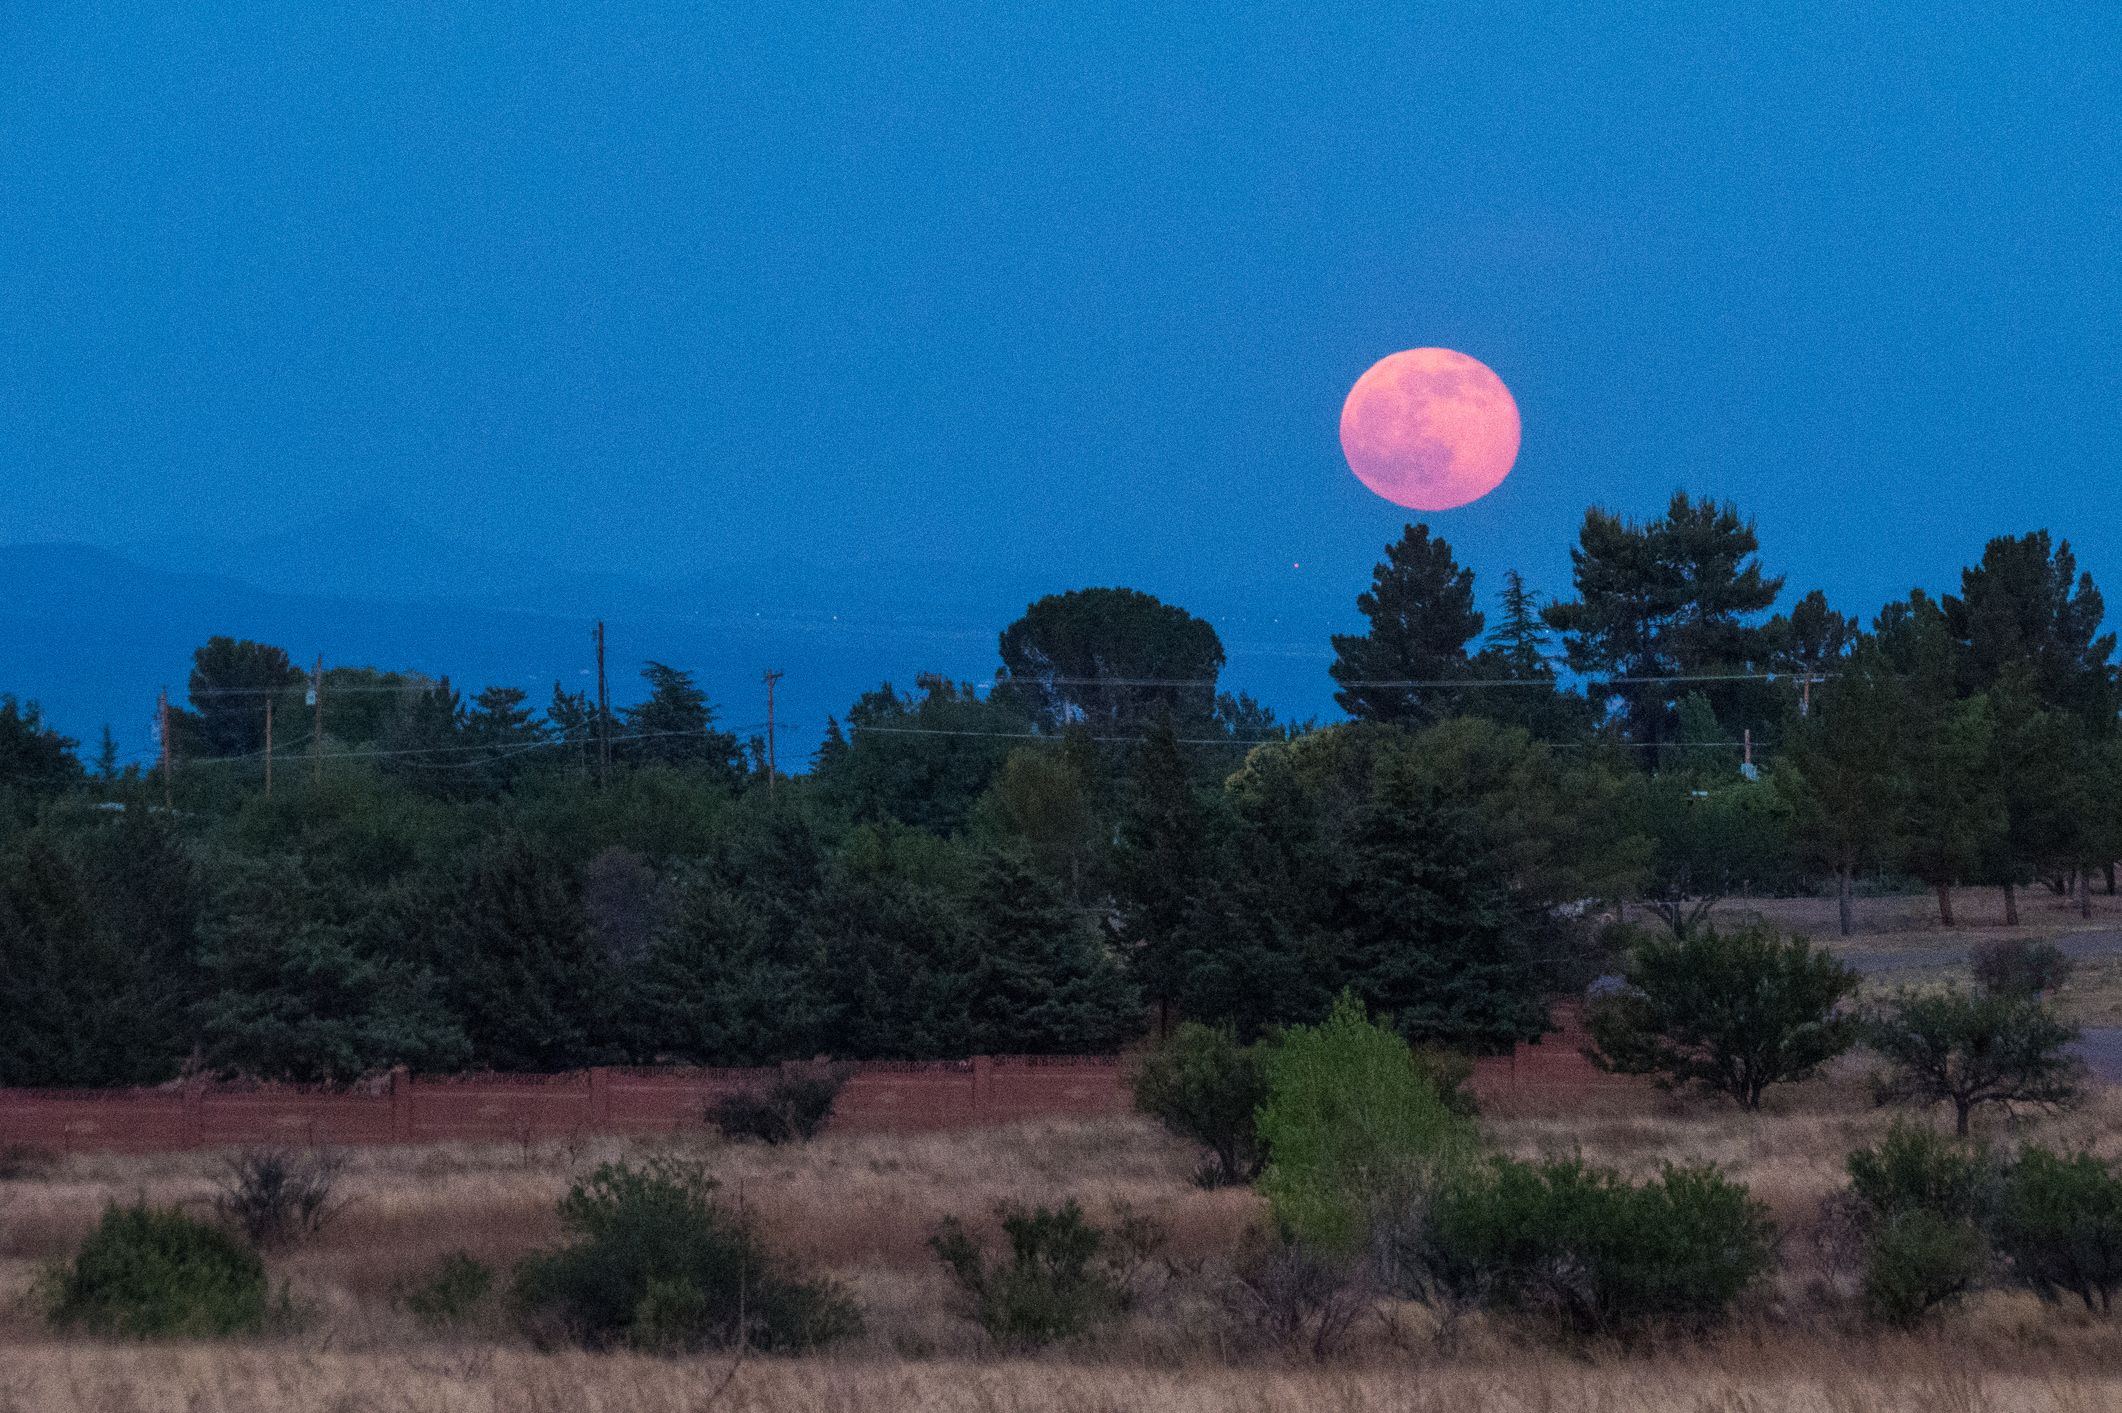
point(1430, 429)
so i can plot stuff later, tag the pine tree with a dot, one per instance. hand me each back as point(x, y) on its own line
point(1160, 866)
point(1421, 611)
point(676, 726)
point(720, 985)
point(1043, 984)
point(107, 756)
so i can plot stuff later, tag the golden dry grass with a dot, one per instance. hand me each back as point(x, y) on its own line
point(860, 1208)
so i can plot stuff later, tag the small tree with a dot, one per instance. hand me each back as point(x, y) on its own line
point(1732, 1012)
point(1203, 1085)
point(2060, 1223)
point(1969, 1050)
point(1350, 1123)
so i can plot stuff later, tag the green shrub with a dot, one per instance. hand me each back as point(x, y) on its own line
point(1969, 1048)
point(1919, 1260)
point(147, 1271)
point(2060, 1225)
point(1064, 1276)
point(1584, 1248)
point(1353, 1129)
point(657, 1263)
point(2014, 966)
point(1201, 1084)
point(1917, 1169)
point(793, 1108)
point(451, 1292)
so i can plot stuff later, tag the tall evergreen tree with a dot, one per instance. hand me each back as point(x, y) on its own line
point(676, 726)
point(35, 761)
point(2025, 606)
point(1845, 772)
point(1042, 983)
point(1420, 607)
point(1662, 599)
point(723, 985)
point(1161, 866)
point(231, 681)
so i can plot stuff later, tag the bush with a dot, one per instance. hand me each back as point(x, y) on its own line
point(1296, 1296)
point(21, 1162)
point(1201, 1084)
point(1063, 1278)
point(1731, 1012)
point(276, 1197)
point(1353, 1129)
point(452, 1291)
point(2013, 966)
point(1919, 1260)
point(1582, 1247)
point(1917, 1169)
point(791, 1109)
point(2060, 1225)
point(657, 1263)
point(147, 1271)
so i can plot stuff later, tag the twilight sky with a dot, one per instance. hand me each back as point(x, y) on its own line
point(1076, 289)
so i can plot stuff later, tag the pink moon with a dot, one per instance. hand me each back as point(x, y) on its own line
point(1430, 429)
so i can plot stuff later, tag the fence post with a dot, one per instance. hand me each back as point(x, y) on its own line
point(401, 1092)
point(600, 1099)
point(983, 1083)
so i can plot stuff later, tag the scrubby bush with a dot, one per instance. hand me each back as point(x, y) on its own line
point(148, 1271)
point(1918, 1261)
point(2060, 1224)
point(792, 1108)
point(1923, 1203)
point(1296, 1296)
point(1593, 1253)
point(276, 1197)
point(1064, 1276)
point(1730, 1012)
point(1201, 1084)
point(656, 1262)
point(452, 1291)
point(2014, 966)
point(1353, 1128)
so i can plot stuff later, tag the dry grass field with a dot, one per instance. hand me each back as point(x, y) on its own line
point(860, 1209)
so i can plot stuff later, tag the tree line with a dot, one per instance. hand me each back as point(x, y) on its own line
point(1099, 841)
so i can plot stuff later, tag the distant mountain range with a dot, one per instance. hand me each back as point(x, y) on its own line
point(93, 633)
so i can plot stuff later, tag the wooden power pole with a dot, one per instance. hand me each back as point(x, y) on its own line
point(771, 771)
point(604, 715)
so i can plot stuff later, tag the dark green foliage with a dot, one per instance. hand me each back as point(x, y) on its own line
point(148, 1272)
point(654, 1261)
point(1665, 598)
point(2025, 608)
point(1587, 1250)
point(790, 1109)
point(451, 1292)
point(1420, 606)
point(1969, 1050)
point(1709, 843)
point(1043, 981)
point(231, 681)
point(1918, 1261)
point(676, 727)
point(1201, 1084)
point(1064, 1276)
point(1733, 1012)
point(1161, 865)
point(2059, 1223)
point(511, 944)
point(300, 987)
point(895, 763)
point(35, 761)
point(2015, 966)
point(724, 982)
point(78, 1005)
point(1110, 659)
point(1915, 1168)
point(1924, 1202)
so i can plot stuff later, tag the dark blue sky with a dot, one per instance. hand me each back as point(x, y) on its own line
point(1071, 289)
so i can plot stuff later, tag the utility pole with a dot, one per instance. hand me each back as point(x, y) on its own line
point(771, 772)
point(1805, 695)
point(316, 730)
point(268, 748)
point(604, 716)
point(162, 734)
